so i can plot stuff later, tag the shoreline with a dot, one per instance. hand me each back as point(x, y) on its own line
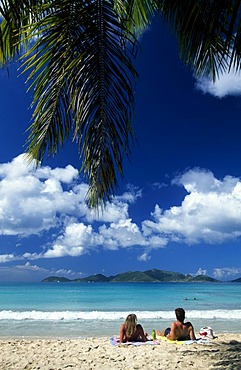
point(223, 352)
point(100, 328)
point(94, 337)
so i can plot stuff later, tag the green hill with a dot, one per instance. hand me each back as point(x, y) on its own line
point(56, 279)
point(161, 275)
point(202, 278)
point(236, 280)
point(153, 275)
point(131, 277)
point(93, 279)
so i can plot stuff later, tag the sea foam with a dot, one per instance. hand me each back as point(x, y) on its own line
point(112, 316)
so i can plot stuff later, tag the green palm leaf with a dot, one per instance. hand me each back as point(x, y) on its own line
point(81, 70)
point(136, 14)
point(79, 55)
point(17, 15)
point(206, 32)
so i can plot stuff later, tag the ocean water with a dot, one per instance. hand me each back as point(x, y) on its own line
point(98, 309)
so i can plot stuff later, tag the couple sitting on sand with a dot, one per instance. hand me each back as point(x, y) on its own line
point(130, 331)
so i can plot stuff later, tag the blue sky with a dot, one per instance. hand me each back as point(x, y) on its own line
point(178, 207)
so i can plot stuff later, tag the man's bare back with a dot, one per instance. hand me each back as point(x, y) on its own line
point(179, 330)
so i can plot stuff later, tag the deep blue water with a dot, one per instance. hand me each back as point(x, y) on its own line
point(98, 309)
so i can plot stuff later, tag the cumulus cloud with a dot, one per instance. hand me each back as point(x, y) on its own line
point(226, 272)
point(30, 200)
point(27, 271)
point(78, 239)
point(113, 212)
point(72, 242)
point(201, 271)
point(37, 201)
point(8, 258)
point(144, 257)
point(226, 84)
point(34, 202)
point(158, 185)
point(210, 212)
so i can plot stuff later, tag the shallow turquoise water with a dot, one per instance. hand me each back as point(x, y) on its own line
point(97, 309)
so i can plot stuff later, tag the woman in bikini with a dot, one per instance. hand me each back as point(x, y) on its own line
point(130, 331)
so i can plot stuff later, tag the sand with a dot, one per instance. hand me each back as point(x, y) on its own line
point(223, 352)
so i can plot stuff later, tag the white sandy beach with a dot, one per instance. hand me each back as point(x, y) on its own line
point(223, 352)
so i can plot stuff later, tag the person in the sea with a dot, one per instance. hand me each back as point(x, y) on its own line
point(179, 329)
point(130, 331)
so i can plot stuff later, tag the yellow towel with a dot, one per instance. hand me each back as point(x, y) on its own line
point(165, 339)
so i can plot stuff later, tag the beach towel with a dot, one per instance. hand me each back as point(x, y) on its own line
point(181, 342)
point(115, 341)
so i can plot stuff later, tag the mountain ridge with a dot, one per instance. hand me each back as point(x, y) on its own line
point(152, 276)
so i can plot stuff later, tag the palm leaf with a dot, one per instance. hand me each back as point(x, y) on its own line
point(78, 56)
point(81, 70)
point(17, 15)
point(205, 31)
point(137, 14)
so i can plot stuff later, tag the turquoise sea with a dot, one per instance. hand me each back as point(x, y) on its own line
point(98, 309)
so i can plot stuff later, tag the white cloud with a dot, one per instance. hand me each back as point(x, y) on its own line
point(33, 202)
point(113, 212)
point(144, 257)
point(226, 84)
point(131, 195)
point(72, 243)
point(211, 212)
point(79, 239)
point(226, 273)
point(158, 185)
point(65, 175)
point(29, 272)
point(7, 258)
point(201, 272)
point(29, 267)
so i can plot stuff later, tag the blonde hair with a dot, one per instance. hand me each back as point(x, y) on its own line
point(130, 324)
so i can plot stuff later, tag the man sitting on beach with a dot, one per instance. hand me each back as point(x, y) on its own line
point(179, 329)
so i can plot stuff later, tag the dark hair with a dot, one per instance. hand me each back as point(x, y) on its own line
point(180, 314)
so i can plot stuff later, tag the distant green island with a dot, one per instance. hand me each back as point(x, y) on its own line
point(149, 276)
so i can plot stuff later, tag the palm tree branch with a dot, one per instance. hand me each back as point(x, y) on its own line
point(16, 16)
point(204, 31)
point(82, 74)
point(47, 61)
point(137, 14)
point(102, 90)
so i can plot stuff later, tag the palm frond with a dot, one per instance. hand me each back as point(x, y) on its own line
point(205, 31)
point(81, 71)
point(137, 14)
point(102, 90)
point(79, 59)
point(47, 62)
point(16, 16)
point(233, 36)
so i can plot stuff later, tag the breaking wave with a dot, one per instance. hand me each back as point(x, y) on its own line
point(113, 316)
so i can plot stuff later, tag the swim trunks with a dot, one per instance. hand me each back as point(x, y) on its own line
point(167, 331)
